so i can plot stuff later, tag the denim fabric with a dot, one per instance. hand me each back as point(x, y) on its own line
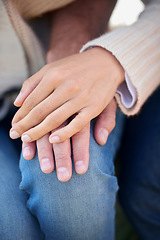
point(16, 222)
point(83, 207)
point(140, 175)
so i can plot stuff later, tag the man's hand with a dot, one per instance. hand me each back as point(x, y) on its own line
point(80, 144)
point(62, 154)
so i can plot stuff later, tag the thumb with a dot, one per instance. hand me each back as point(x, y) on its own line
point(105, 123)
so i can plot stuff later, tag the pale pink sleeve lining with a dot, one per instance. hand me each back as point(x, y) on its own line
point(127, 92)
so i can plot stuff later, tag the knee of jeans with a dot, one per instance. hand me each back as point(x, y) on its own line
point(79, 208)
point(100, 171)
point(102, 157)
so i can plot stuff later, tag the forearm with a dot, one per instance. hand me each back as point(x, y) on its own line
point(74, 25)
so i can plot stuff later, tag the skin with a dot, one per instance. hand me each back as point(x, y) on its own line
point(79, 86)
point(80, 140)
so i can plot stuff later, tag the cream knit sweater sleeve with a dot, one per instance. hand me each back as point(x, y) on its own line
point(34, 8)
point(137, 48)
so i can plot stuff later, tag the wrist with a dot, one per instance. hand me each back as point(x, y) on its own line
point(112, 62)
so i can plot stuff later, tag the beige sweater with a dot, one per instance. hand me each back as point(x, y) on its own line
point(136, 47)
point(34, 8)
point(21, 53)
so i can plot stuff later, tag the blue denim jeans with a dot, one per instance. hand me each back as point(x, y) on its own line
point(16, 222)
point(80, 209)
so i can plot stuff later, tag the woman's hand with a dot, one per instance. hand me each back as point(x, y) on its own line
point(81, 86)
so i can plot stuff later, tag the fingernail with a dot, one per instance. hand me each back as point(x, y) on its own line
point(25, 138)
point(27, 152)
point(103, 135)
point(80, 167)
point(14, 134)
point(54, 139)
point(46, 164)
point(18, 98)
point(63, 174)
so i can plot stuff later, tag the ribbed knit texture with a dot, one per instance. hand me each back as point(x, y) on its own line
point(34, 8)
point(137, 48)
point(13, 65)
point(33, 50)
point(21, 54)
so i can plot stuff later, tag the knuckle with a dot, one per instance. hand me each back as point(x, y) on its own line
point(78, 125)
point(54, 120)
point(43, 151)
point(53, 74)
point(81, 153)
point(21, 127)
point(28, 104)
point(62, 157)
point(25, 84)
point(72, 86)
point(38, 114)
point(85, 95)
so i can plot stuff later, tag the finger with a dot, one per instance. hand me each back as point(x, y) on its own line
point(62, 153)
point(29, 85)
point(28, 150)
point(105, 123)
point(52, 121)
point(41, 98)
point(77, 124)
point(45, 154)
point(36, 96)
point(80, 145)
